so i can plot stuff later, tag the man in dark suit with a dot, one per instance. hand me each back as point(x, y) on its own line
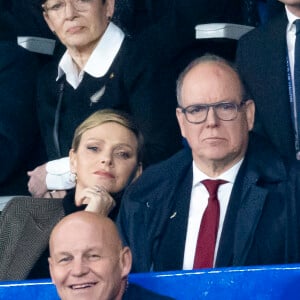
point(265, 58)
point(161, 213)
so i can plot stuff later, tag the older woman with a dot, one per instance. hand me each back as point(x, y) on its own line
point(105, 157)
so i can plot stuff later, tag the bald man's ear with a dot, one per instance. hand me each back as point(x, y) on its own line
point(50, 269)
point(125, 261)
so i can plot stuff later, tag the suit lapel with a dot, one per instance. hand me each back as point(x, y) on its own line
point(243, 214)
point(172, 242)
point(247, 219)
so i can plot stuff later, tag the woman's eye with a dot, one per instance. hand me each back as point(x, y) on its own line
point(123, 154)
point(93, 148)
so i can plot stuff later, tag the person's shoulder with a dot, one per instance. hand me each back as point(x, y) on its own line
point(164, 175)
point(27, 204)
point(171, 166)
point(265, 159)
point(266, 30)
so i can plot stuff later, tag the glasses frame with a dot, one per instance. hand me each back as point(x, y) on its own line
point(237, 107)
point(50, 10)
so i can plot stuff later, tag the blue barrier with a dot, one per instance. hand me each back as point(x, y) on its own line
point(263, 282)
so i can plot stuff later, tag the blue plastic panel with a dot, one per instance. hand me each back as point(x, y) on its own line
point(271, 282)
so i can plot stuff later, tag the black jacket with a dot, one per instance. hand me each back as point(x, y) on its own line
point(262, 61)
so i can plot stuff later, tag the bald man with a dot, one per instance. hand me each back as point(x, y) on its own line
point(87, 260)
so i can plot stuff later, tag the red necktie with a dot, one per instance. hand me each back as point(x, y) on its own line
point(204, 256)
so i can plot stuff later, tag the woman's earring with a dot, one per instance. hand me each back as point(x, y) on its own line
point(73, 177)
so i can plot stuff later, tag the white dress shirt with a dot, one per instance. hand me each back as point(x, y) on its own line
point(290, 40)
point(198, 203)
point(58, 171)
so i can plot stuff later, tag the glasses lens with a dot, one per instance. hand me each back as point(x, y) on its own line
point(59, 5)
point(196, 113)
point(54, 5)
point(226, 111)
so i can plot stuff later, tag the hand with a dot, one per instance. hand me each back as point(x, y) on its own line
point(37, 181)
point(98, 200)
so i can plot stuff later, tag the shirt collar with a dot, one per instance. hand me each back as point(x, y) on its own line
point(100, 59)
point(229, 175)
point(291, 18)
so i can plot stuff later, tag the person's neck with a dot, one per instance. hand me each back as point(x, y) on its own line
point(80, 56)
point(294, 9)
point(122, 290)
point(215, 168)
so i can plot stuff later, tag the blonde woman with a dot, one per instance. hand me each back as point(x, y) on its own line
point(105, 157)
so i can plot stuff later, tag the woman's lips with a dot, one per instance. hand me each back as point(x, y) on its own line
point(104, 174)
point(74, 29)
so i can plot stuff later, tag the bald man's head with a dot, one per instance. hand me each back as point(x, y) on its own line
point(87, 257)
point(103, 225)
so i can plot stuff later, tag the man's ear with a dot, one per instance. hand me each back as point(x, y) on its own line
point(50, 269)
point(125, 261)
point(180, 120)
point(250, 113)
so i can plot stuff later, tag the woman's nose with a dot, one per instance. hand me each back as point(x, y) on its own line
point(106, 159)
point(70, 10)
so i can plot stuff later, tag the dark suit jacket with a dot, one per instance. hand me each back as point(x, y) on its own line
point(25, 18)
point(261, 223)
point(262, 61)
point(21, 146)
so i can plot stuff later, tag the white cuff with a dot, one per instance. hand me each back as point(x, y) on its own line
point(59, 175)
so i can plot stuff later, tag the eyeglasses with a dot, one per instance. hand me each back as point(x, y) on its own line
point(225, 111)
point(58, 7)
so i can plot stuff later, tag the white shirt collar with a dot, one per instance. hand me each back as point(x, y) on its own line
point(100, 60)
point(291, 18)
point(229, 175)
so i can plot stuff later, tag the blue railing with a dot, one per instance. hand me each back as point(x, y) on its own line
point(263, 282)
